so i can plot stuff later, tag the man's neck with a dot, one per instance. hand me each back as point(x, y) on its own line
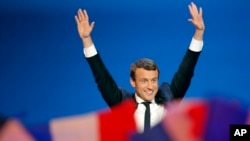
point(140, 100)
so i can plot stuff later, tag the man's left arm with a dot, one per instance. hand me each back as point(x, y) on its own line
point(182, 78)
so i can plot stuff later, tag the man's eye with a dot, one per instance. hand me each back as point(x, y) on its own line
point(154, 80)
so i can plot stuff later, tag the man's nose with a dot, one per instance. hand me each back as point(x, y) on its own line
point(150, 85)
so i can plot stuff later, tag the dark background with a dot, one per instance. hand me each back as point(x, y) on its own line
point(43, 73)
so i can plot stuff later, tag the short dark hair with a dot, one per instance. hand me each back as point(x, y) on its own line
point(144, 63)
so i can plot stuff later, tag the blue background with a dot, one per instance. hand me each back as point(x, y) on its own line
point(43, 73)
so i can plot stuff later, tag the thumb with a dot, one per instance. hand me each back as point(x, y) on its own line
point(92, 25)
point(191, 20)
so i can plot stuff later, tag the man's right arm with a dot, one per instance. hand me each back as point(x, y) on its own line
point(106, 84)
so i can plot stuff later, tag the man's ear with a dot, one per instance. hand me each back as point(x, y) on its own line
point(132, 82)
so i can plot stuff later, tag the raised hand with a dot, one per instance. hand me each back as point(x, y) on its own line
point(196, 14)
point(83, 26)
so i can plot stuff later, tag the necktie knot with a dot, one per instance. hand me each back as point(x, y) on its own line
point(146, 103)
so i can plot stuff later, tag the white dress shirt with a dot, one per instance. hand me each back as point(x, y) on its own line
point(157, 112)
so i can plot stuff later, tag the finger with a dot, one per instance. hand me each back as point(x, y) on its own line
point(85, 14)
point(191, 21)
point(76, 18)
point(92, 25)
point(80, 14)
point(200, 11)
point(193, 5)
point(194, 8)
point(190, 9)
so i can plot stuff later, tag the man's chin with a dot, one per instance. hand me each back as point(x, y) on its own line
point(149, 98)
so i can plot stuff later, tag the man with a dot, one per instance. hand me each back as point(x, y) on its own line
point(144, 72)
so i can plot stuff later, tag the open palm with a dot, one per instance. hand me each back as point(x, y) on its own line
point(196, 14)
point(83, 26)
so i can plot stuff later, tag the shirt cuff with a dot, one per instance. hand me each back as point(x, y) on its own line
point(90, 51)
point(196, 45)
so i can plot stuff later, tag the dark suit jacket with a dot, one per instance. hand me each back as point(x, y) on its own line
point(113, 94)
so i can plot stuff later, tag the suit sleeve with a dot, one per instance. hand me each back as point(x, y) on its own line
point(106, 84)
point(182, 78)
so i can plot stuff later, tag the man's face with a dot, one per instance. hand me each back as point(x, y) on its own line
point(145, 83)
